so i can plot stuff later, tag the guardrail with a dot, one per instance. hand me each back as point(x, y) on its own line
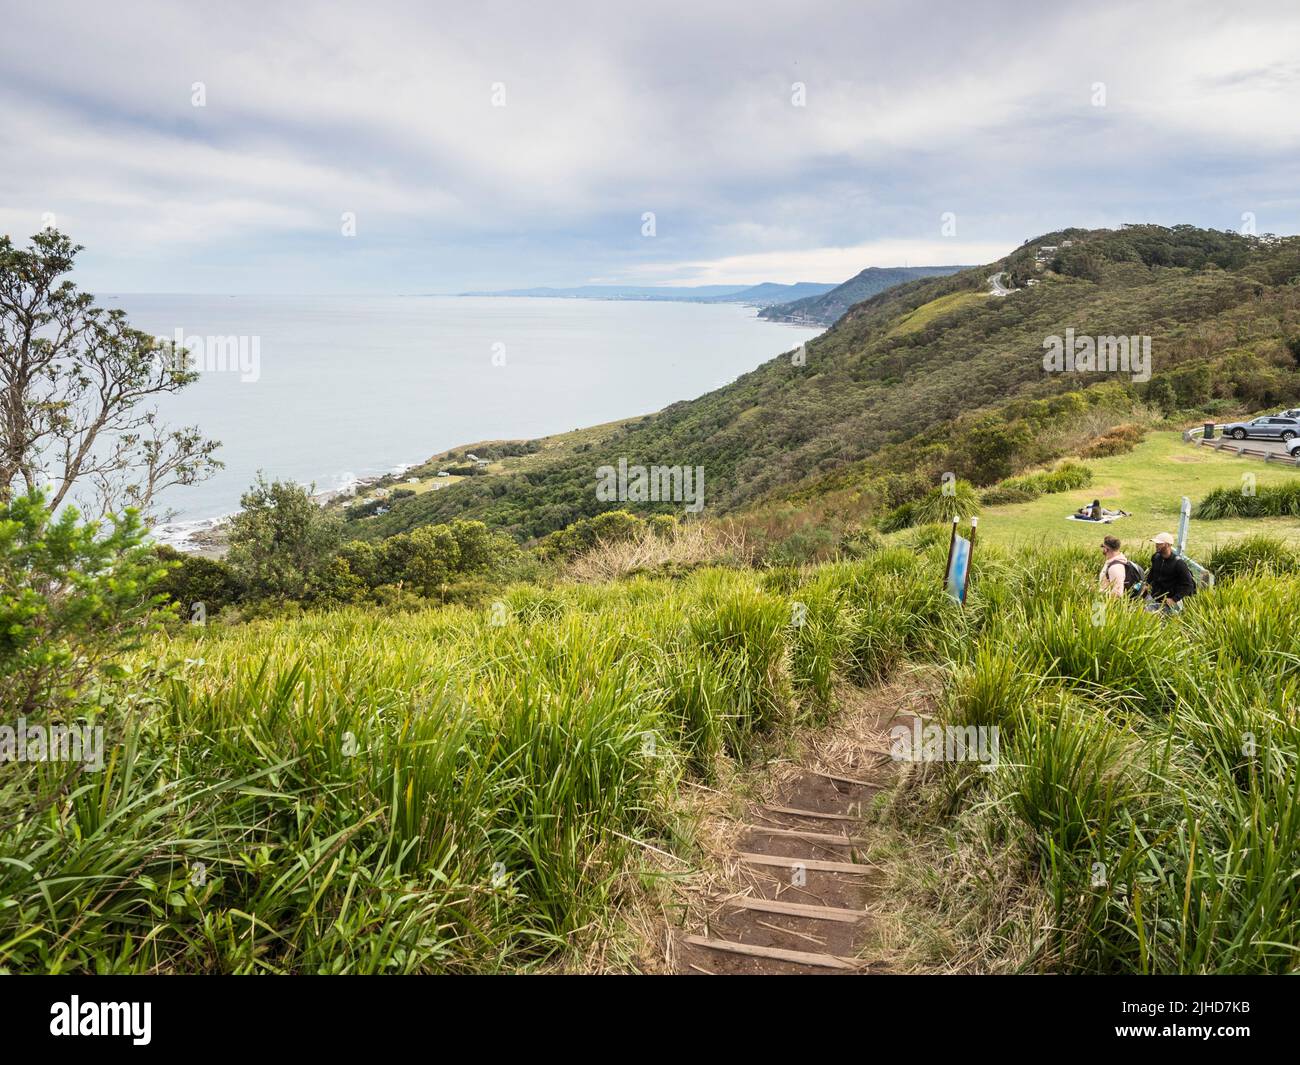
point(1196, 435)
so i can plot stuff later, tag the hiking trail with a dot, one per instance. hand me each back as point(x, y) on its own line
point(791, 886)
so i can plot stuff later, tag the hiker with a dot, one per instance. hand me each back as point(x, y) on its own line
point(1169, 580)
point(1118, 575)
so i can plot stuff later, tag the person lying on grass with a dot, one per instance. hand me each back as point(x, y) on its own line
point(1169, 580)
point(1096, 512)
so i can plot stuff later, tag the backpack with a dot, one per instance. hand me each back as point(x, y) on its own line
point(1134, 578)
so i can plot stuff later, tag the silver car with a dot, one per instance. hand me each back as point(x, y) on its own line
point(1270, 427)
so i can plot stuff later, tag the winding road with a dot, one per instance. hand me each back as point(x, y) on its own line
point(996, 287)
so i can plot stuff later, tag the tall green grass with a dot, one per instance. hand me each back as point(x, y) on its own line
point(451, 790)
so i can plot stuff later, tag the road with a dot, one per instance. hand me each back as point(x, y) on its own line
point(995, 285)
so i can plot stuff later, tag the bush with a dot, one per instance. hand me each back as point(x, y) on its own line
point(1117, 441)
point(72, 596)
point(956, 499)
point(1251, 554)
point(1067, 477)
point(193, 579)
point(613, 526)
point(860, 542)
point(280, 539)
point(1270, 501)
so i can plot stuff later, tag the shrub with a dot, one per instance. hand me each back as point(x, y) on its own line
point(612, 526)
point(1067, 477)
point(72, 596)
point(194, 579)
point(1116, 441)
point(860, 542)
point(280, 538)
point(1269, 501)
point(956, 499)
point(1254, 553)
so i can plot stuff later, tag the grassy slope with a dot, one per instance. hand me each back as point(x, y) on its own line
point(1148, 482)
point(435, 792)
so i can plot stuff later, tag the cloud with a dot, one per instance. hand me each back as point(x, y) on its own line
point(684, 109)
point(819, 264)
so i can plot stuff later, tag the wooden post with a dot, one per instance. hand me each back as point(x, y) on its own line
point(970, 559)
point(952, 543)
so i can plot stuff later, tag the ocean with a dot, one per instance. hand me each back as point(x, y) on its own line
point(328, 390)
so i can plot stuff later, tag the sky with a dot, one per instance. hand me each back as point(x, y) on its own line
point(403, 148)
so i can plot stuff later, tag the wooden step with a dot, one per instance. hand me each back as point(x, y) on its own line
point(791, 811)
point(814, 837)
point(798, 909)
point(844, 780)
point(815, 864)
point(798, 957)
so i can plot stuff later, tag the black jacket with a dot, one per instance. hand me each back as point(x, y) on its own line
point(1169, 578)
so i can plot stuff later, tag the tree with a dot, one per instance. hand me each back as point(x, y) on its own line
point(75, 381)
point(199, 586)
point(72, 596)
point(1161, 394)
point(280, 539)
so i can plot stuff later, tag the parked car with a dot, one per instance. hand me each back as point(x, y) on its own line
point(1293, 448)
point(1268, 428)
point(1294, 412)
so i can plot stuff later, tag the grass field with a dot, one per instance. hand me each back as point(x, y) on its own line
point(456, 790)
point(935, 309)
point(1149, 482)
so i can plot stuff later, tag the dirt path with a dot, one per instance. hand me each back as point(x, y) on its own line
point(791, 884)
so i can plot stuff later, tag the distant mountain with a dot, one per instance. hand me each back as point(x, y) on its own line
point(769, 293)
point(826, 308)
point(622, 292)
point(755, 295)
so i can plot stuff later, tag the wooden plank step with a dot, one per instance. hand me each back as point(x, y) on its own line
point(815, 864)
point(815, 837)
point(845, 780)
point(818, 814)
point(799, 957)
point(799, 909)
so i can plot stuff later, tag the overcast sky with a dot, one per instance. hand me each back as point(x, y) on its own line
point(1016, 118)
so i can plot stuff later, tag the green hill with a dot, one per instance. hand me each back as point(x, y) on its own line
point(826, 308)
point(935, 376)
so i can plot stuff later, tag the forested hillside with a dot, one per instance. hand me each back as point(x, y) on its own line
point(826, 308)
point(938, 375)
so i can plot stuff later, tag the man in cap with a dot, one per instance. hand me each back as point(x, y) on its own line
point(1169, 580)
